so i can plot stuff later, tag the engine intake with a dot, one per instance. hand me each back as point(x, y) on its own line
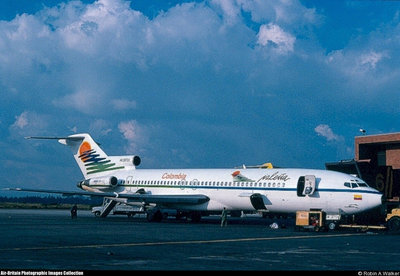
point(128, 160)
point(136, 161)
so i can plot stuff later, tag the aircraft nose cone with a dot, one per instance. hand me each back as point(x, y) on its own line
point(375, 200)
point(379, 200)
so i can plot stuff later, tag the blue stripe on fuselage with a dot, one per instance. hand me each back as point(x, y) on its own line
point(256, 188)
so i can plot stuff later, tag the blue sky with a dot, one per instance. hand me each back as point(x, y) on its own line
point(194, 84)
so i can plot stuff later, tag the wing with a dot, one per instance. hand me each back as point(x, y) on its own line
point(135, 197)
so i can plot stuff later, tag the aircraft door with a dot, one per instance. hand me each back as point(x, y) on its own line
point(257, 201)
point(309, 185)
point(306, 185)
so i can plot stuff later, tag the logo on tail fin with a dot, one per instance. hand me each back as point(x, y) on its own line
point(93, 163)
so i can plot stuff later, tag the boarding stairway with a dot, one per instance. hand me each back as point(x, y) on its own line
point(108, 205)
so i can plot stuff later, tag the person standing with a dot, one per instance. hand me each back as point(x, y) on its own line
point(74, 211)
point(224, 218)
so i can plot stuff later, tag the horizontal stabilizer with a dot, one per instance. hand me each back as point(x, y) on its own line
point(74, 138)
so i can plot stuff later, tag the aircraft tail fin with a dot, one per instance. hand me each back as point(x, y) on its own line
point(92, 160)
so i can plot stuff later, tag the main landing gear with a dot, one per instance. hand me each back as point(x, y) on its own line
point(158, 215)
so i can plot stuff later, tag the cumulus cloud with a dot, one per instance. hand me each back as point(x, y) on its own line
point(230, 10)
point(272, 34)
point(128, 130)
point(371, 59)
point(29, 123)
point(100, 127)
point(356, 62)
point(133, 134)
point(281, 12)
point(85, 101)
point(326, 132)
point(123, 104)
point(21, 121)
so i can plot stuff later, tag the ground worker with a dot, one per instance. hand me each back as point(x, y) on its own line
point(224, 217)
point(74, 211)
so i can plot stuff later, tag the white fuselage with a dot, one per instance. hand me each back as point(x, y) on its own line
point(334, 192)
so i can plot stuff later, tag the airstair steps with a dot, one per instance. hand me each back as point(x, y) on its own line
point(108, 206)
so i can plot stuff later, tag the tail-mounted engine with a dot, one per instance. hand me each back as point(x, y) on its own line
point(99, 182)
point(126, 160)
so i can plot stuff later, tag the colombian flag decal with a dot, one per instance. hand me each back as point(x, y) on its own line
point(357, 197)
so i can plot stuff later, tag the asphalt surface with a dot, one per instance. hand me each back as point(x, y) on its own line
point(51, 240)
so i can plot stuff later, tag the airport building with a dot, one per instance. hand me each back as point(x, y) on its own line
point(377, 162)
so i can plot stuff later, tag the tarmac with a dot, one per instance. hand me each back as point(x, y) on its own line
point(51, 240)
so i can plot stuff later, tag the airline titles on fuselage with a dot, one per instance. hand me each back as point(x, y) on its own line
point(180, 176)
point(275, 176)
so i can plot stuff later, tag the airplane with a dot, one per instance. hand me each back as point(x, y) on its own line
point(196, 192)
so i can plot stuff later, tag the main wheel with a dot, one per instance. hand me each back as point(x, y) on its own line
point(394, 224)
point(332, 226)
point(155, 216)
point(195, 216)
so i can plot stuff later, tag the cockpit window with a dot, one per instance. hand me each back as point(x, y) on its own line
point(361, 183)
point(354, 185)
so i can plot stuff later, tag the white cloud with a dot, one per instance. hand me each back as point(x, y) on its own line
point(230, 10)
point(122, 104)
point(73, 129)
point(133, 133)
point(29, 123)
point(280, 11)
point(371, 59)
point(326, 131)
point(128, 130)
point(85, 101)
point(100, 127)
point(21, 121)
point(272, 34)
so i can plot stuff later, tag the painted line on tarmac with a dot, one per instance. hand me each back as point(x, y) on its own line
point(177, 242)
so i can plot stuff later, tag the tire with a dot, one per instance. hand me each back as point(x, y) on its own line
point(394, 224)
point(195, 216)
point(155, 216)
point(97, 214)
point(332, 226)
